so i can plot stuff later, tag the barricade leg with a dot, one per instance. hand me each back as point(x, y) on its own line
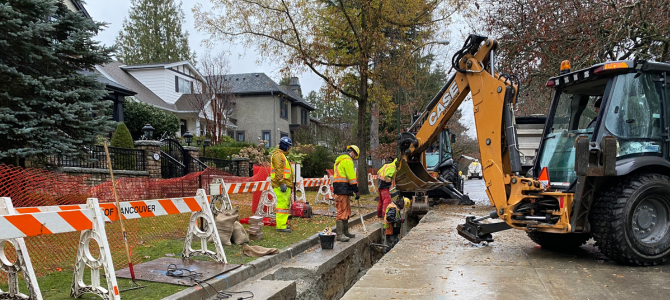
point(300, 188)
point(220, 198)
point(209, 231)
point(22, 263)
point(267, 204)
point(371, 183)
point(85, 259)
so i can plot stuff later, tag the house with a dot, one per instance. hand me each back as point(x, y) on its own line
point(264, 109)
point(163, 85)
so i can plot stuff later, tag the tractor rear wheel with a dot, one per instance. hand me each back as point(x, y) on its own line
point(631, 221)
point(452, 176)
point(559, 241)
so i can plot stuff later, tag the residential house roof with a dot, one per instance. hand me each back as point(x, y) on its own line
point(165, 65)
point(114, 72)
point(259, 83)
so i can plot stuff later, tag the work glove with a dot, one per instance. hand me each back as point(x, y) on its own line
point(358, 196)
point(282, 188)
point(402, 220)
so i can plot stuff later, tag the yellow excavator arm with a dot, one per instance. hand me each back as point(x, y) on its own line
point(494, 96)
point(489, 93)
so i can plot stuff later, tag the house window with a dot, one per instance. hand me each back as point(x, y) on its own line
point(182, 85)
point(283, 134)
point(182, 124)
point(266, 137)
point(231, 134)
point(283, 109)
point(240, 136)
point(303, 117)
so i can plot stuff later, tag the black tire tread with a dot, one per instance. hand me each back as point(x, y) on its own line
point(559, 241)
point(452, 176)
point(608, 224)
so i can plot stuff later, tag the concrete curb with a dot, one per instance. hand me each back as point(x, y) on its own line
point(227, 280)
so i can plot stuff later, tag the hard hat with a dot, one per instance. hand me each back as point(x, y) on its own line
point(407, 202)
point(355, 148)
point(284, 143)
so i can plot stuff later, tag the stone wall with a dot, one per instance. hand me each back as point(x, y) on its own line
point(96, 176)
point(152, 150)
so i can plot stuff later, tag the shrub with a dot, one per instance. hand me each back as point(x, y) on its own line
point(317, 162)
point(222, 152)
point(138, 114)
point(122, 137)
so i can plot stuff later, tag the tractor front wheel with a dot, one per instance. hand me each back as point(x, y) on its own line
point(631, 221)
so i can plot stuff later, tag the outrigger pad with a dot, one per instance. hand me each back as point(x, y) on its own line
point(478, 232)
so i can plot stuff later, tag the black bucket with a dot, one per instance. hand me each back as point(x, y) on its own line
point(327, 241)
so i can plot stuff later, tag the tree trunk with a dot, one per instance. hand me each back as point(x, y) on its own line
point(374, 137)
point(362, 173)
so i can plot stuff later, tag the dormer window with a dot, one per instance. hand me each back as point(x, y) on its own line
point(182, 85)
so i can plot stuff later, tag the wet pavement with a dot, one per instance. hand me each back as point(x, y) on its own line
point(434, 262)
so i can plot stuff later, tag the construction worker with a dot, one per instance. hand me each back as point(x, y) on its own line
point(386, 175)
point(344, 185)
point(393, 221)
point(282, 182)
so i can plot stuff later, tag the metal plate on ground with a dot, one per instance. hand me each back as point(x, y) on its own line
point(155, 270)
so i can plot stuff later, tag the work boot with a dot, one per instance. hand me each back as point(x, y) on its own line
point(346, 229)
point(339, 229)
point(284, 230)
point(466, 201)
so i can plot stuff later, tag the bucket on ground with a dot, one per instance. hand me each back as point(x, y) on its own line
point(327, 240)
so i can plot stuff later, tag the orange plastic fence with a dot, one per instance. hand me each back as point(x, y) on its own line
point(50, 253)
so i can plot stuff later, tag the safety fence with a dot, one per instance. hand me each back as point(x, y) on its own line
point(90, 221)
point(53, 253)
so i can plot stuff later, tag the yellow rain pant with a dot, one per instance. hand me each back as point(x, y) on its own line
point(283, 203)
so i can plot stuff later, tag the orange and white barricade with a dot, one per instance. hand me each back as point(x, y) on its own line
point(31, 221)
point(89, 220)
point(266, 205)
point(324, 194)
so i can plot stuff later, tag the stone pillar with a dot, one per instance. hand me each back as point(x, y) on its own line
point(243, 164)
point(195, 153)
point(152, 156)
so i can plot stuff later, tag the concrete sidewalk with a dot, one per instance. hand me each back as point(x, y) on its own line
point(434, 262)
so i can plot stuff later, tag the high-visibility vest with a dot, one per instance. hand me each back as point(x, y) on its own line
point(338, 177)
point(382, 172)
point(388, 229)
point(287, 169)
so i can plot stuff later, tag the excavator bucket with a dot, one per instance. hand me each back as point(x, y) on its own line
point(412, 176)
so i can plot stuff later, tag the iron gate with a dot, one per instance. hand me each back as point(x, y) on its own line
point(174, 159)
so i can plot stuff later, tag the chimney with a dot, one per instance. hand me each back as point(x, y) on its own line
point(294, 85)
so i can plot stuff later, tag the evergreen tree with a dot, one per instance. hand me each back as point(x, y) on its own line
point(48, 97)
point(152, 33)
point(121, 138)
point(138, 114)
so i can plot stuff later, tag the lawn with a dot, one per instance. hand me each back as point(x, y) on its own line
point(56, 285)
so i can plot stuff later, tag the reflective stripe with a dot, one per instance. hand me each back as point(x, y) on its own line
point(353, 181)
point(282, 211)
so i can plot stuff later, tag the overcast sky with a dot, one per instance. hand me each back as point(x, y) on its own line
point(241, 60)
point(245, 60)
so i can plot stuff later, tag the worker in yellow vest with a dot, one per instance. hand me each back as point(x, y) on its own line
point(386, 175)
point(392, 220)
point(282, 182)
point(344, 185)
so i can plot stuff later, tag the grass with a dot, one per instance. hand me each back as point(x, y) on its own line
point(56, 285)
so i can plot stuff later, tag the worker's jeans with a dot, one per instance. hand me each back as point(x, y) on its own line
point(283, 203)
point(343, 207)
point(384, 201)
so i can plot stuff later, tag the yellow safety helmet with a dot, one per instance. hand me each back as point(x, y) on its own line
point(407, 202)
point(355, 148)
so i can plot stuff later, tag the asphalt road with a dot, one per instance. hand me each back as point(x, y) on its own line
point(434, 262)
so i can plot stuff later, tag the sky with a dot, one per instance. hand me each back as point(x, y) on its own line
point(244, 60)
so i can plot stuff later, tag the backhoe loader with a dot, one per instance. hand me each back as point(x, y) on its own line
point(601, 172)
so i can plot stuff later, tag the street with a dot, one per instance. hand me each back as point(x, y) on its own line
point(434, 262)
